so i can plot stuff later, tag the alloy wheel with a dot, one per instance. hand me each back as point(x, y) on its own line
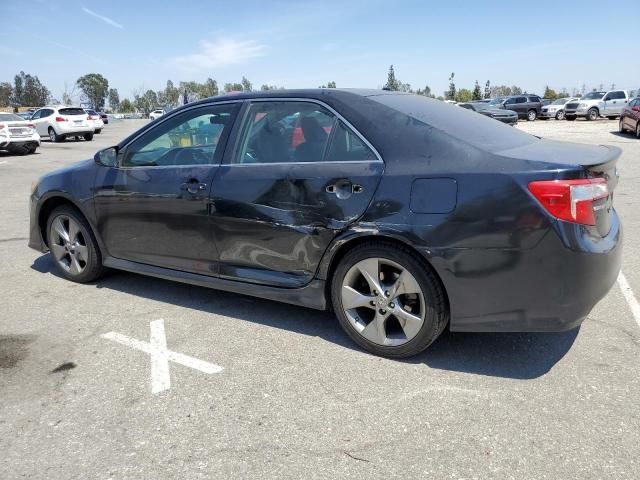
point(383, 301)
point(68, 245)
point(52, 135)
point(621, 126)
point(560, 115)
point(638, 130)
point(532, 115)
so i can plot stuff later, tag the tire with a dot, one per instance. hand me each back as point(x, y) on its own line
point(88, 137)
point(532, 115)
point(560, 115)
point(592, 114)
point(621, 127)
point(571, 118)
point(99, 131)
point(81, 245)
point(54, 137)
point(410, 321)
point(638, 130)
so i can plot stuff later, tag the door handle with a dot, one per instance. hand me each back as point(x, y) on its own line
point(193, 187)
point(343, 189)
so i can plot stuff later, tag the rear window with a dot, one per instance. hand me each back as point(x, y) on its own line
point(10, 117)
point(72, 111)
point(469, 127)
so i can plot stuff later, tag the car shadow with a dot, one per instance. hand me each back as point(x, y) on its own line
point(521, 356)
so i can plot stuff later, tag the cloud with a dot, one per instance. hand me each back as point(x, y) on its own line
point(106, 20)
point(220, 53)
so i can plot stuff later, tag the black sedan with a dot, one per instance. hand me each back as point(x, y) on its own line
point(398, 212)
point(506, 116)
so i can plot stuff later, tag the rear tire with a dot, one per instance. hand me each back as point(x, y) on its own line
point(88, 137)
point(592, 114)
point(54, 137)
point(73, 246)
point(532, 115)
point(366, 298)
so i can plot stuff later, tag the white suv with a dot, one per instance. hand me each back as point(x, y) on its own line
point(156, 114)
point(58, 123)
point(17, 135)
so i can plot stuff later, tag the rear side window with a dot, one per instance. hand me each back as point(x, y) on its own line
point(521, 100)
point(72, 111)
point(534, 99)
point(346, 145)
point(616, 96)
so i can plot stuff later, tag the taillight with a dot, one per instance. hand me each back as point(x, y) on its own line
point(60, 119)
point(30, 125)
point(1, 126)
point(570, 200)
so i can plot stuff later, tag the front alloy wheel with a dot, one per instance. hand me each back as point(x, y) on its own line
point(388, 300)
point(560, 115)
point(532, 115)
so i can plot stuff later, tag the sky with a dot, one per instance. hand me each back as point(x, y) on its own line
point(139, 45)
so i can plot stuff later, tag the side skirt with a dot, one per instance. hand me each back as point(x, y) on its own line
point(311, 295)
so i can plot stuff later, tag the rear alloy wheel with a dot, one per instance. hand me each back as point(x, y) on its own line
point(88, 137)
point(388, 301)
point(560, 115)
point(621, 128)
point(54, 137)
point(73, 246)
point(592, 114)
point(532, 115)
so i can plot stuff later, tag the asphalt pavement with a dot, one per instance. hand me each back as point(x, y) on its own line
point(292, 397)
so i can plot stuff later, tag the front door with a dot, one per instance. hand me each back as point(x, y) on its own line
point(297, 177)
point(154, 207)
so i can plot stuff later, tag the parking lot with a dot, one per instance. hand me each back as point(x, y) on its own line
point(269, 390)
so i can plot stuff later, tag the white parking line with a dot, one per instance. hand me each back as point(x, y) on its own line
point(160, 356)
point(629, 297)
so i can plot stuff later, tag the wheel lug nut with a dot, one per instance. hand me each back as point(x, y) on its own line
point(386, 293)
point(382, 311)
point(392, 305)
point(375, 292)
point(373, 304)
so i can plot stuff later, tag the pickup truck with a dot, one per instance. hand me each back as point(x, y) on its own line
point(598, 104)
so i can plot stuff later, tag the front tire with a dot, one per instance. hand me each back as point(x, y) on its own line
point(532, 115)
point(638, 130)
point(560, 115)
point(73, 246)
point(88, 137)
point(621, 128)
point(388, 300)
point(592, 114)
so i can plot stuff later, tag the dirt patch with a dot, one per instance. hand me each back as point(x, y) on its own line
point(14, 349)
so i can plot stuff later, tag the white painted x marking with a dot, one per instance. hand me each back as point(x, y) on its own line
point(160, 356)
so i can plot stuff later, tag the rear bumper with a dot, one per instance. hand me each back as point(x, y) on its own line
point(74, 130)
point(551, 287)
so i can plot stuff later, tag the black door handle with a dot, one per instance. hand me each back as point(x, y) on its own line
point(193, 186)
point(343, 189)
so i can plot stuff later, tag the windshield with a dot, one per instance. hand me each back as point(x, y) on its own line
point(560, 101)
point(10, 117)
point(593, 96)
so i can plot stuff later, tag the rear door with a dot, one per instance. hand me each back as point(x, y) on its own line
point(297, 176)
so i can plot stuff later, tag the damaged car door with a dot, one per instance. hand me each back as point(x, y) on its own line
point(297, 176)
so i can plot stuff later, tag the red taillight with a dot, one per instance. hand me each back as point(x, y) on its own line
point(1, 126)
point(570, 200)
point(31, 125)
point(60, 119)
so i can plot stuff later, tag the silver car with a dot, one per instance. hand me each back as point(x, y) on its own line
point(556, 108)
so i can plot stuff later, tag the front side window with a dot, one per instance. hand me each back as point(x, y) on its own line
point(190, 138)
point(276, 132)
point(521, 100)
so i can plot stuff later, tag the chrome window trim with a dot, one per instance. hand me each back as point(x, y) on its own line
point(307, 100)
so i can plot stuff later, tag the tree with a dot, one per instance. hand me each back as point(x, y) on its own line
point(487, 89)
point(426, 92)
point(392, 81)
point(28, 91)
point(114, 99)
point(209, 88)
point(477, 93)
point(328, 85)
point(247, 86)
point(95, 87)
point(516, 90)
point(463, 95)
point(125, 106)
point(6, 91)
point(500, 91)
point(147, 102)
point(549, 93)
point(233, 87)
point(451, 93)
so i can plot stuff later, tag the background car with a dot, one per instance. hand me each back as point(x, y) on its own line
point(503, 115)
point(630, 118)
point(156, 114)
point(555, 109)
point(95, 119)
point(17, 135)
point(104, 117)
point(526, 106)
point(409, 216)
point(594, 105)
point(59, 123)
point(25, 115)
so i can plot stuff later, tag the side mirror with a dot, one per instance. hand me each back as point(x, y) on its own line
point(107, 157)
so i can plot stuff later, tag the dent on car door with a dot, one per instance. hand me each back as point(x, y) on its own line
point(154, 207)
point(297, 176)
